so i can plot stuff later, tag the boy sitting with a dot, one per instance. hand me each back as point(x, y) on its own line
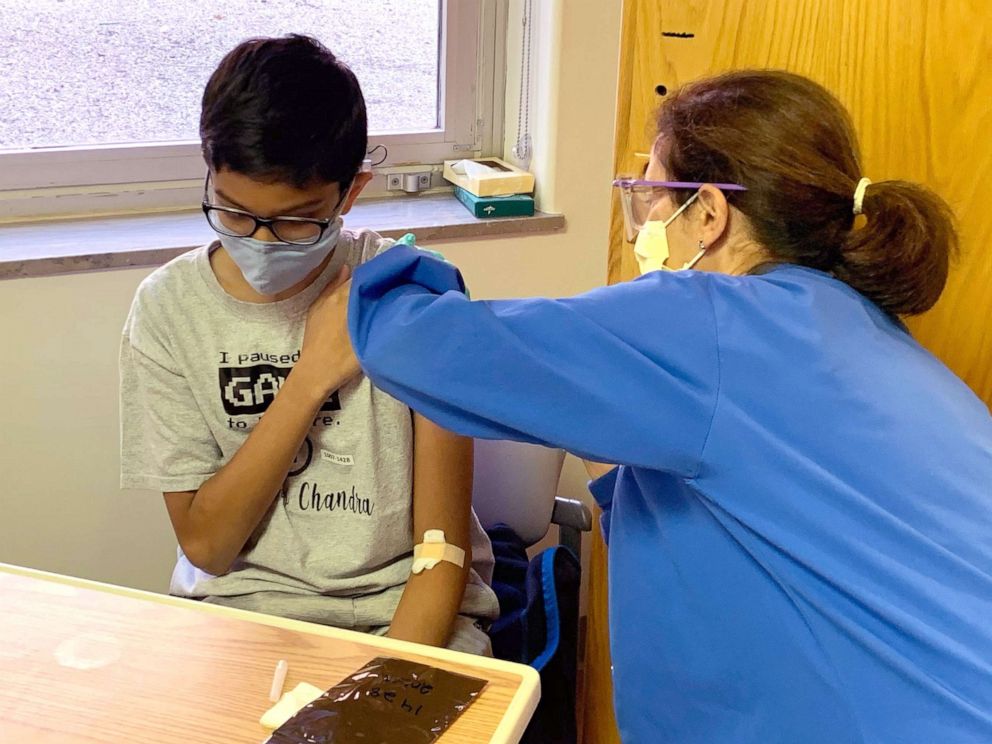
point(312, 510)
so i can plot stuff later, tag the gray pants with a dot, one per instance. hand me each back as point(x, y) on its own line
point(372, 613)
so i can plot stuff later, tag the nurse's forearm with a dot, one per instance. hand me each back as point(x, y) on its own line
point(539, 370)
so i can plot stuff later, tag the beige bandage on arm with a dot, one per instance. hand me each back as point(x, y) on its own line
point(433, 550)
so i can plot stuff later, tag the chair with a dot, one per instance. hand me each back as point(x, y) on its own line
point(516, 487)
point(517, 484)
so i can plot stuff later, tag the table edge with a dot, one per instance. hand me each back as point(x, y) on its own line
point(511, 726)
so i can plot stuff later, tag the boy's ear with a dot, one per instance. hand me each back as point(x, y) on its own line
point(360, 182)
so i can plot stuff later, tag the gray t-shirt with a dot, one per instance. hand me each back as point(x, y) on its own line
point(198, 369)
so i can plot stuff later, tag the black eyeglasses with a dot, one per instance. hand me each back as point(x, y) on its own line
point(237, 223)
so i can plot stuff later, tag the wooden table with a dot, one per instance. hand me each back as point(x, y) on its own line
point(88, 662)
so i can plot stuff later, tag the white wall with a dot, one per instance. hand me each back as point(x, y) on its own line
point(60, 505)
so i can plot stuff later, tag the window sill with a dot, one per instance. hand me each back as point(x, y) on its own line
point(95, 244)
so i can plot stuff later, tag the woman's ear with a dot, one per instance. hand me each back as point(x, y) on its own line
point(713, 216)
point(360, 181)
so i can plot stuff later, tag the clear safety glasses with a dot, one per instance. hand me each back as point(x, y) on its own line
point(639, 197)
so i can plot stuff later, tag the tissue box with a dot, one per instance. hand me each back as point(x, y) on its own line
point(516, 205)
point(488, 177)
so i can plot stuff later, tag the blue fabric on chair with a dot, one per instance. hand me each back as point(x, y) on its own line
point(538, 625)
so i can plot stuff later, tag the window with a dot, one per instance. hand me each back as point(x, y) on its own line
point(101, 93)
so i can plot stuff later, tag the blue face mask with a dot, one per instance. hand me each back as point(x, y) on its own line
point(271, 268)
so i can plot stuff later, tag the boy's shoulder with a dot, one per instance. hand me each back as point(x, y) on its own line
point(173, 278)
point(162, 295)
point(364, 245)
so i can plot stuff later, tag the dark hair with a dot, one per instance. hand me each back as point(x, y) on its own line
point(284, 109)
point(793, 145)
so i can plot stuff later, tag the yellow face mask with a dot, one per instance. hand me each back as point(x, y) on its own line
point(651, 246)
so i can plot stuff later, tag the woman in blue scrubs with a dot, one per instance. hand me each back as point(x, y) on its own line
point(800, 526)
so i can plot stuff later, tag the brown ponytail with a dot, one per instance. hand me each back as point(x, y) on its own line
point(793, 145)
point(900, 257)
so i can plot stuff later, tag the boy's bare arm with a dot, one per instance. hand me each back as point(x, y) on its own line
point(442, 500)
point(213, 523)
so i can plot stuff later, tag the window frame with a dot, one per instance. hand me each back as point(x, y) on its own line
point(156, 176)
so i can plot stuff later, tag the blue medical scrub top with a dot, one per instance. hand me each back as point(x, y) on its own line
point(800, 536)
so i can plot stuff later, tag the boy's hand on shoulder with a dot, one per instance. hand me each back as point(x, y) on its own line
point(327, 360)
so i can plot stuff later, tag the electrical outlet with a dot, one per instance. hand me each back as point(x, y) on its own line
point(408, 182)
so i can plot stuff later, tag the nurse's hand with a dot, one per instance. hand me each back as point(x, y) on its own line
point(327, 360)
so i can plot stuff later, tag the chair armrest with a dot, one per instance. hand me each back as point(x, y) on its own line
point(573, 518)
point(571, 513)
